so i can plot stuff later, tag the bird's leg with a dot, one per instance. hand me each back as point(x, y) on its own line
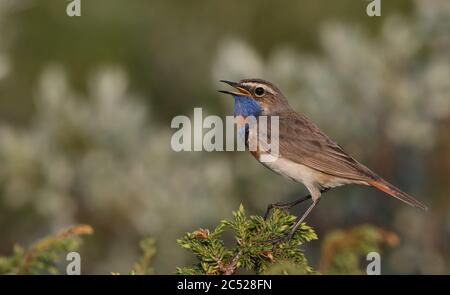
point(297, 224)
point(300, 220)
point(287, 206)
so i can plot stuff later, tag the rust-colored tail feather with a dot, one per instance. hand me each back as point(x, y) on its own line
point(396, 193)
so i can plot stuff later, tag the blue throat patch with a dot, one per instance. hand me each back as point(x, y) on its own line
point(245, 106)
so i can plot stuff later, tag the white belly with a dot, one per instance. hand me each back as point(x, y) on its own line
point(308, 176)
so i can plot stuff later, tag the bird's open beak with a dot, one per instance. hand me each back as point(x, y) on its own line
point(242, 91)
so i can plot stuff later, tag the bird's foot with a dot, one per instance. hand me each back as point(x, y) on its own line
point(283, 206)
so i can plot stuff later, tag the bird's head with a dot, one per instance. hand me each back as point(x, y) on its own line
point(255, 97)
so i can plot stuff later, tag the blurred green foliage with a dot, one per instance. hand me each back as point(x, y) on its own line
point(252, 252)
point(167, 47)
point(345, 251)
point(143, 265)
point(46, 255)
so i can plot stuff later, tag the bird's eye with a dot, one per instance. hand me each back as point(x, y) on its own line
point(259, 91)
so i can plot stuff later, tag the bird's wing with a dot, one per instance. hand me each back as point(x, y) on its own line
point(301, 141)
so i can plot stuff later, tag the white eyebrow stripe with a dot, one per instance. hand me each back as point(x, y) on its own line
point(254, 85)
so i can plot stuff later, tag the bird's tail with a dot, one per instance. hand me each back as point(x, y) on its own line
point(388, 188)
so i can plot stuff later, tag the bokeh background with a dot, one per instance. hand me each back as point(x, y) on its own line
point(86, 104)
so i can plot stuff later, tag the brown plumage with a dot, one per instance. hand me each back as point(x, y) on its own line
point(306, 154)
point(301, 141)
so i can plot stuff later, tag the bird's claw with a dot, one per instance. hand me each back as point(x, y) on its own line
point(284, 207)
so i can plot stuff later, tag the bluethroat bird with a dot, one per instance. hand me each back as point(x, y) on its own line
point(306, 154)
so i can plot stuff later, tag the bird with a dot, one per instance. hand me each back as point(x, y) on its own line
point(306, 154)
